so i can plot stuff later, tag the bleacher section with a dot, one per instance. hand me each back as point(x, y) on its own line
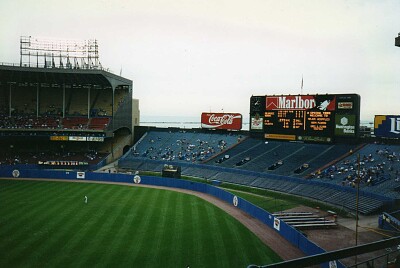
point(379, 170)
point(223, 165)
point(99, 123)
point(53, 122)
point(305, 220)
point(75, 123)
point(264, 154)
point(186, 146)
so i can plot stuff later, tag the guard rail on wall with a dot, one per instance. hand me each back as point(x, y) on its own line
point(389, 222)
point(382, 198)
point(289, 233)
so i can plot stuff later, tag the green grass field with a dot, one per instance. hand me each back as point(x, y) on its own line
point(47, 224)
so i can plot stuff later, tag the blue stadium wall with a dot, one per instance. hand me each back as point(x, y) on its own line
point(388, 221)
point(295, 237)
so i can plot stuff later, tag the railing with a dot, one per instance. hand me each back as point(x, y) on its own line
point(42, 65)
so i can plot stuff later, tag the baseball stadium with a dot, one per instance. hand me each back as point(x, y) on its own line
point(83, 183)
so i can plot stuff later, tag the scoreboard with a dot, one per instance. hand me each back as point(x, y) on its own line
point(305, 117)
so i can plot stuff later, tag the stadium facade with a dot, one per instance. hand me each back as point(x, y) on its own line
point(73, 113)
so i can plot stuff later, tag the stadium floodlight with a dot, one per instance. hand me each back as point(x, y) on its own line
point(397, 41)
point(58, 53)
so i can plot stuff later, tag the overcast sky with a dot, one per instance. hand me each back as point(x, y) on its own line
point(187, 57)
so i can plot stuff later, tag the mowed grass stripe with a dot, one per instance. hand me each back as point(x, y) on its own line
point(190, 203)
point(130, 227)
point(15, 201)
point(215, 238)
point(11, 187)
point(206, 233)
point(41, 221)
point(83, 224)
point(235, 239)
point(179, 203)
point(59, 235)
point(198, 227)
point(146, 229)
point(97, 234)
point(228, 242)
point(159, 229)
point(117, 229)
point(141, 197)
point(139, 239)
point(200, 230)
point(35, 219)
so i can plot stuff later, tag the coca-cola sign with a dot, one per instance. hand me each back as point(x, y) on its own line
point(221, 121)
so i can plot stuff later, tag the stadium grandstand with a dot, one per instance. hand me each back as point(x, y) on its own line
point(59, 108)
point(319, 162)
point(323, 172)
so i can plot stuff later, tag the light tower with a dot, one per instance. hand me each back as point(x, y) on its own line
point(53, 53)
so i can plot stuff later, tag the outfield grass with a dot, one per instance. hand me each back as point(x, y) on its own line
point(47, 224)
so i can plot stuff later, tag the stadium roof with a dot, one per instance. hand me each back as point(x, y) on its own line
point(76, 77)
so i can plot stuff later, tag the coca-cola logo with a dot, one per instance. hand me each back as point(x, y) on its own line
point(226, 119)
point(221, 120)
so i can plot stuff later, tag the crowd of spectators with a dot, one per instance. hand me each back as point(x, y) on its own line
point(47, 122)
point(29, 122)
point(371, 169)
point(182, 149)
point(90, 156)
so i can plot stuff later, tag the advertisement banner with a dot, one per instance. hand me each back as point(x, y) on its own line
point(63, 163)
point(280, 137)
point(345, 105)
point(59, 138)
point(232, 121)
point(77, 138)
point(345, 125)
point(301, 102)
point(277, 224)
point(387, 126)
point(256, 122)
point(99, 139)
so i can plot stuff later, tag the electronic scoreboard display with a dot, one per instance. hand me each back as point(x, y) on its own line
point(305, 117)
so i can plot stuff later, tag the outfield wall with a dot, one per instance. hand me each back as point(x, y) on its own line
point(289, 233)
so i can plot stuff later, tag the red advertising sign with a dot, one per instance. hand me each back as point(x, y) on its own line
point(221, 121)
point(300, 102)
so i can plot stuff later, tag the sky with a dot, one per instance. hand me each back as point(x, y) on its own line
point(186, 57)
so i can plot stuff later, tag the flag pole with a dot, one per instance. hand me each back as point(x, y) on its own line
point(301, 84)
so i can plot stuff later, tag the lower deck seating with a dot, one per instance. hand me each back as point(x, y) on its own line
point(248, 162)
point(100, 123)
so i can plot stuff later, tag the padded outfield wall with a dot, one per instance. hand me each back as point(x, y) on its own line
point(289, 233)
